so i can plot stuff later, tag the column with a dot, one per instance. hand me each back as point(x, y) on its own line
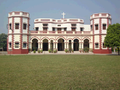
point(48, 45)
point(53, 45)
point(67, 45)
point(72, 45)
point(82, 44)
point(79, 45)
point(56, 46)
point(41, 46)
point(30, 45)
point(38, 45)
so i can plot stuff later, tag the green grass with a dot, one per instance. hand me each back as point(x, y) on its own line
point(59, 72)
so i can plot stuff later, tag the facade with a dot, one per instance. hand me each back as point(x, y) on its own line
point(57, 34)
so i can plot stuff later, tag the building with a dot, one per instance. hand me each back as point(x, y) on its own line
point(56, 34)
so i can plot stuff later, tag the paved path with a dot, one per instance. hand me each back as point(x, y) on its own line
point(58, 53)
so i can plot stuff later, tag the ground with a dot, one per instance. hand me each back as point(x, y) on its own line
point(59, 72)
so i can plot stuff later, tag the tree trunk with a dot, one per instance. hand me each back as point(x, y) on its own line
point(118, 51)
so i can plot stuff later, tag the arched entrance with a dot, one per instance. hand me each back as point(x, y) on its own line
point(86, 43)
point(70, 47)
point(51, 45)
point(76, 45)
point(61, 44)
point(45, 45)
point(34, 44)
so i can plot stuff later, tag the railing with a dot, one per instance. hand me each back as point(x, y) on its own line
point(61, 32)
point(78, 32)
point(33, 31)
point(69, 32)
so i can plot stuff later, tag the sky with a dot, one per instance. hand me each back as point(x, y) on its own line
point(53, 8)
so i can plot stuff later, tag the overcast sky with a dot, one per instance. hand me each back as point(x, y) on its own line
point(53, 8)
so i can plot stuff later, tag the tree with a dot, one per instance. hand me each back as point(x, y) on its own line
point(3, 41)
point(112, 38)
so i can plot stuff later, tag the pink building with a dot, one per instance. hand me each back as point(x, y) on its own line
point(57, 34)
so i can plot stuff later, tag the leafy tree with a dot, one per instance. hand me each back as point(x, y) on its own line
point(3, 41)
point(112, 38)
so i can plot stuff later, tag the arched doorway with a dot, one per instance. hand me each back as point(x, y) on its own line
point(70, 47)
point(61, 44)
point(34, 44)
point(45, 45)
point(51, 45)
point(86, 43)
point(76, 45)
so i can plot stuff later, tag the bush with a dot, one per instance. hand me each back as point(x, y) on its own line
point(86, 49)
point(66, 50)
point(38, 51)
point(34, 51)
point(55, 51)
point(41, 51)
point(50, 50)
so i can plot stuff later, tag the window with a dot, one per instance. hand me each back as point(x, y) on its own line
point(81, 29)
point(73, 29)
point(65, 29)
point(10, 45)
point(96, 45)
point(59, 25)
point(91, 27)
point(24, 45)
point(59, 29)
point(17, 45)
point(24, 26)
point(53, 29)
point(16, 25)
point(104, 26)
point(73, 25)
point(44, 29)
point(10, 26)
point(104, 46)
point(36, 28)
point(96, 27)
point(45, 24)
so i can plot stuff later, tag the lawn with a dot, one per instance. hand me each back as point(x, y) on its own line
point(59, 72)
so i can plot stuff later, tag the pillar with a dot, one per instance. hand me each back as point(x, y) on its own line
point(48, 45)
point(41, 44)
point(79, 45)
point(67, 45)
point(56, 45)
point(30, 45)
point(82, 44)
point(38, 45)
point(72, 46)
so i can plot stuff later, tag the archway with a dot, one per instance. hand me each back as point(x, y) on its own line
point(35, 44)
point(76, 45)
point(61, 44)
point(51, 45)
point(45, 45)
point(86, 43)
point(70, 47)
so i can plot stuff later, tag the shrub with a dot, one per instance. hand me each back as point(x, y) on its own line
point(55, 51)
point(50, 50)
point(41, 51)
point(86, 49)
point(66, 50)
point(34, 51)
point(38, 51)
